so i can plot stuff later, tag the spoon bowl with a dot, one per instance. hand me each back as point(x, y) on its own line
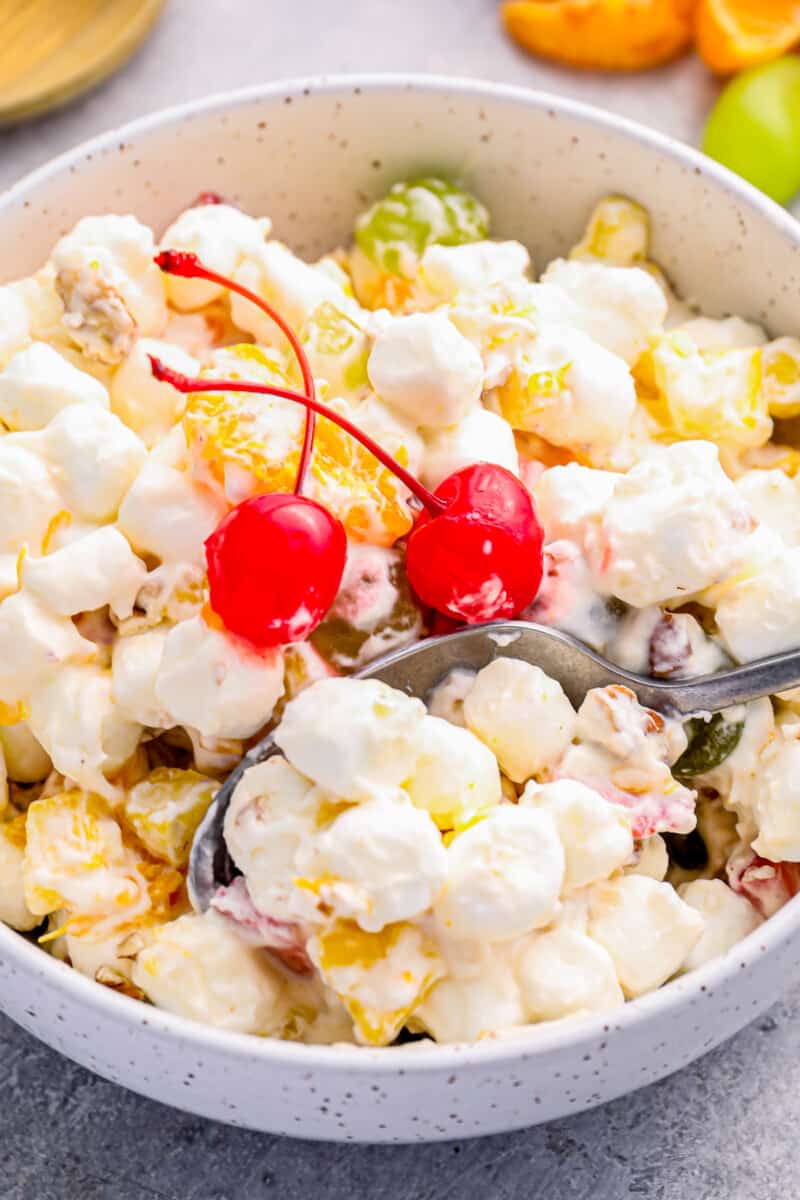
point(417, 670)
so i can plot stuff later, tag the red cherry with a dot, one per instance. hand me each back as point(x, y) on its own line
point(275, 563)
point(475, 554)
point(208, 198)
point(481, 558)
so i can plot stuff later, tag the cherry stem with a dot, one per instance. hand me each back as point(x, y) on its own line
point(189, 266)
point(186, 384)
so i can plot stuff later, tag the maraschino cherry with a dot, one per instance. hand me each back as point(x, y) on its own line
point(474, 555)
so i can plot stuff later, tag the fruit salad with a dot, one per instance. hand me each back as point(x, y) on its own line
point(230, 478)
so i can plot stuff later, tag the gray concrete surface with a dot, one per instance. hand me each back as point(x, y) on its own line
point(723, 1130)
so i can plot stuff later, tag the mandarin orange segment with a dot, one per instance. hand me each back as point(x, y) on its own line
point(352, 484)
point(733, 34)
point(248, 444)
point(608, 35)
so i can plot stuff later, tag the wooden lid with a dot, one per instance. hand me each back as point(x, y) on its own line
point(51, 52)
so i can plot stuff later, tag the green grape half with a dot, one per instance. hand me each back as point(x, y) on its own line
point(396, 231)
point(754, 128)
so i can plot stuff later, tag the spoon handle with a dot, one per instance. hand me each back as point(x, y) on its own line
point(711, 693)
point(419, 668)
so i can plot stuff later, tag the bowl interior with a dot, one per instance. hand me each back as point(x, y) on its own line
point(312, 155)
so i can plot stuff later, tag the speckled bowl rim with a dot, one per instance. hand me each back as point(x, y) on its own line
point(422, 1056)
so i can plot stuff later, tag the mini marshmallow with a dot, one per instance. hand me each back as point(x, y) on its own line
point(166, 514)
point(455, 777)
point(135, 663)
point(29, 501)
point(96, 570)
point(620, 307)
point(75, 719)
point(521, 714)
point(423, 367)
point(352, 736)
point(673, 526)
point(504, 876)
point(94, 459)
point(39, 382)
point(563, 973)
point(645, 927)
point(482, 436)
point(595, 834)
point(199, 968)
point(377, 863)
point(216, 684)
point(148, 406)
point(728, 918)
point(221, 236)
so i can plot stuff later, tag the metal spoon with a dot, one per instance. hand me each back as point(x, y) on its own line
point(419, 668)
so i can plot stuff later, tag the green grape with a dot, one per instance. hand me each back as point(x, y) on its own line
point(710, 743)
point(396, 231)
point(338, 350)
point(754, 128)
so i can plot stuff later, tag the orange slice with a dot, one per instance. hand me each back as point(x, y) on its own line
point(243, 445)
point(734, 34)
point(607, 35)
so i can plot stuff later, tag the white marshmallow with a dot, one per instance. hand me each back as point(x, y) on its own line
point(377, 863)
point(728, 918)
point(521, 714)
point(167, 515)
point(135, 663)
point(652, 858)
point(352, 736)
point(504, 876)
point(38, 383)
point(758, 612)
point(595, 834)
point(199, 968)
point(571, 391)
point(447, 271)
point(620, 307)
point(481, 436)
point(568, 497)
point(95, 459)
point(423, 367)
point(148, 406)
point(774, 500)
point(455, 777)
point(673, 526)
point(35, 645)
point(217, 685)
point(645, 927)
point(447, 698)
point(28, 500)
point(75, 719)
point(96, 570)
point(272, 814)
point(293, 287)
point(221, 236)
point(464, 1010)
point(563, 973)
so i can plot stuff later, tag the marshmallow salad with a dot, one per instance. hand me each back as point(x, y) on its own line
point(461, 869)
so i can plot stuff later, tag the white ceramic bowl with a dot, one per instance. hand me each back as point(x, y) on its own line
point(311, 154)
